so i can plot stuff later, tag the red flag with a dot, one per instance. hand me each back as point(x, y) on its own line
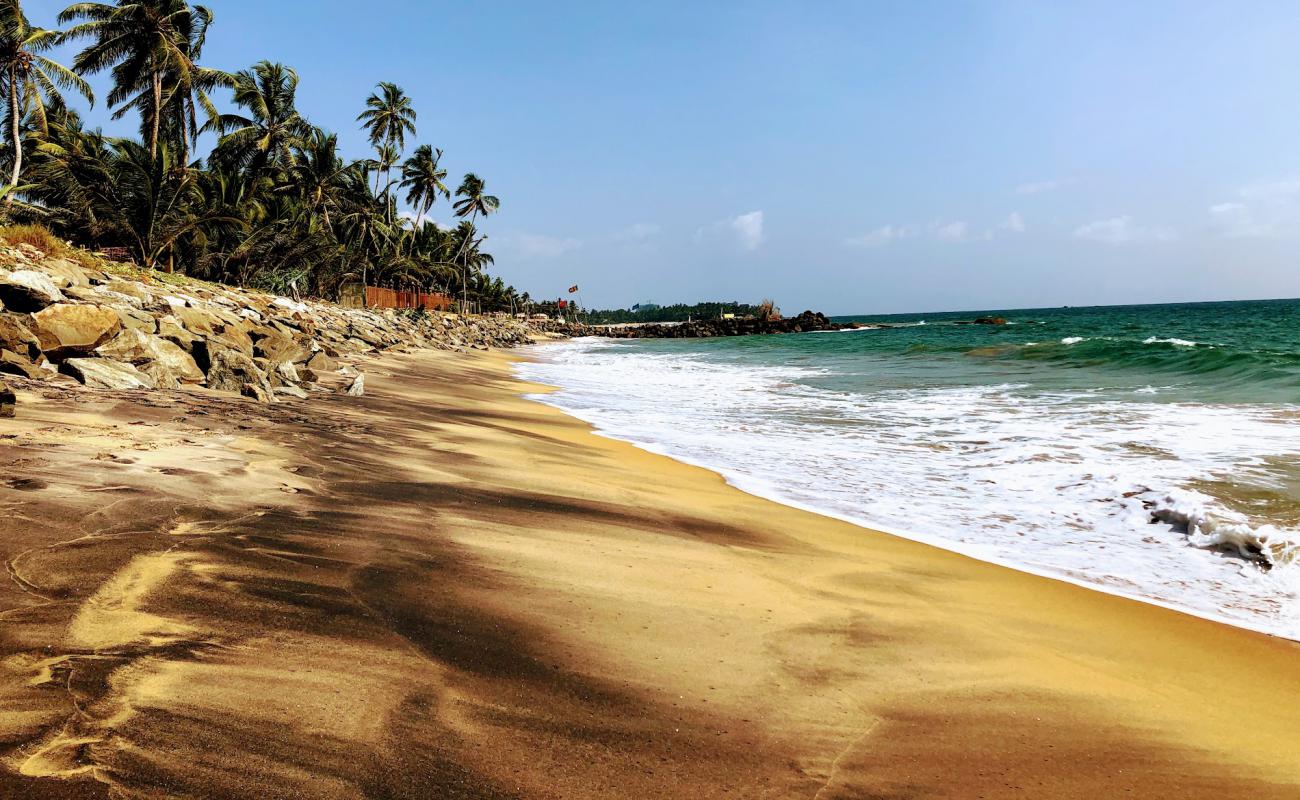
point(563, 304)
point(573, 288)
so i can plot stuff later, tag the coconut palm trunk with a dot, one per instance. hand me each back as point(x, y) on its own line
point(157, 114)
point(16, 130)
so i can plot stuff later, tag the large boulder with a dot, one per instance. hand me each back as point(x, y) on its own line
point(231, 370)
point(233, 336)
point(171, 329)
point(66, 330)
point(196, 320)
point(103, 373)
point(27, 290)
point(141, 349)
point(322, 363)
point(278, 348)
point(65, 273)
point(162, 377)
point(15, 335)
point(135, 318)
point(12, 363)
point(7, 401)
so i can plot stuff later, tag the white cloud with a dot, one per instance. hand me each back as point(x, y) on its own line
point(1261, 210)
point(1123, 230)
point(1013, 223)
point(749, 229)
point(746, 230)
point(951, 231)
point(881, 236)
point(536, 247)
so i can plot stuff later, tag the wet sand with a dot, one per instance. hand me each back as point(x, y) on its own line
point(445, 590)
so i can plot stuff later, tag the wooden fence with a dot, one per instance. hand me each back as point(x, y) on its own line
point(377, 297)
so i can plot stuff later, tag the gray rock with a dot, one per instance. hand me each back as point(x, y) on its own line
point(358, 386)
point(231, 371)
point(103, 373)
point(291, 391)
point(27, 290)
point(136, 347)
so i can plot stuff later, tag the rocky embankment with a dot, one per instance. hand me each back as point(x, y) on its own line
point(805, 322)
point(70, 318)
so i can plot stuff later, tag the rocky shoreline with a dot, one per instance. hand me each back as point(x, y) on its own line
point(71, 318)
point(806, 322)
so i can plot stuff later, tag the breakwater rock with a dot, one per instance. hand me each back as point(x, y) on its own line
point(805, 322)
point(74, 319)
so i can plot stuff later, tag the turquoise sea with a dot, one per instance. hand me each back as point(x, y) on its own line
point(1151, 451)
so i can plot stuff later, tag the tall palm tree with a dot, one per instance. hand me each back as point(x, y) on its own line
point(473, 201)
point(272, 129)
point(388, 118)
point(32, 80)
point(422, 179)
point(142, 42)
point(316, 177)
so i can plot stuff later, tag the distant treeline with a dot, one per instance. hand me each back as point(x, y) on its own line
point(679, 312)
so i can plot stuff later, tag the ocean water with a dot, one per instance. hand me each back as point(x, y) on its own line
point(1150, 451)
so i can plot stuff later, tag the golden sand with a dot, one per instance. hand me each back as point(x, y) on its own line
point(444, 590)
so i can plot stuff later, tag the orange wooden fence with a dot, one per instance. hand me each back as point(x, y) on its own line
point(377, 297)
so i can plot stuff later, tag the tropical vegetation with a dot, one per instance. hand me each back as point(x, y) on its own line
point(678, 312)
point(274, 204)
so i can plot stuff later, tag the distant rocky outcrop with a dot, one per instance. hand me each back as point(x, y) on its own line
point(112, 327)
point(745, 326)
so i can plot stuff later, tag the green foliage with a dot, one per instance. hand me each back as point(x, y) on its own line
point(679, 312)
point(274, 204)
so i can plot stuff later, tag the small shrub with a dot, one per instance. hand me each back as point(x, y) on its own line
point(37, 236)
point(42, 239)
point(767, 311)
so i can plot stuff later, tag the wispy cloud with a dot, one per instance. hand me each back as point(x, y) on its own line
point(1123, 230)
point(749, 229)
point(1260, 210)
point(881, 236)
point(952, 231)
point(537, 247)
point(745, 230)
point(956, 231)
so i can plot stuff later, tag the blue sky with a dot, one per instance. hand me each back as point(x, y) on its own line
point(844, 156)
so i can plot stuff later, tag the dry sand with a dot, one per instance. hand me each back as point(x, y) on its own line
point(443, 590)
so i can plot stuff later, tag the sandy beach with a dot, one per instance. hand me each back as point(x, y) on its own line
point(443, 589)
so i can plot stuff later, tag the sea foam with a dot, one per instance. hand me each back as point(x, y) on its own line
point(1105, 493)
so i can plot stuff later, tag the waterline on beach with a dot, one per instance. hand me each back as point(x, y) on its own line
point(1050, 482)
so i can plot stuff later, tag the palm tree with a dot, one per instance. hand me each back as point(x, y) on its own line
point(33, 80)
point(142, 42)
point(423, 180)
point(272, 129)
point(315, 177)
point(388, 118)
point(149, 210)
point(472, 203)
point(386, 156)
